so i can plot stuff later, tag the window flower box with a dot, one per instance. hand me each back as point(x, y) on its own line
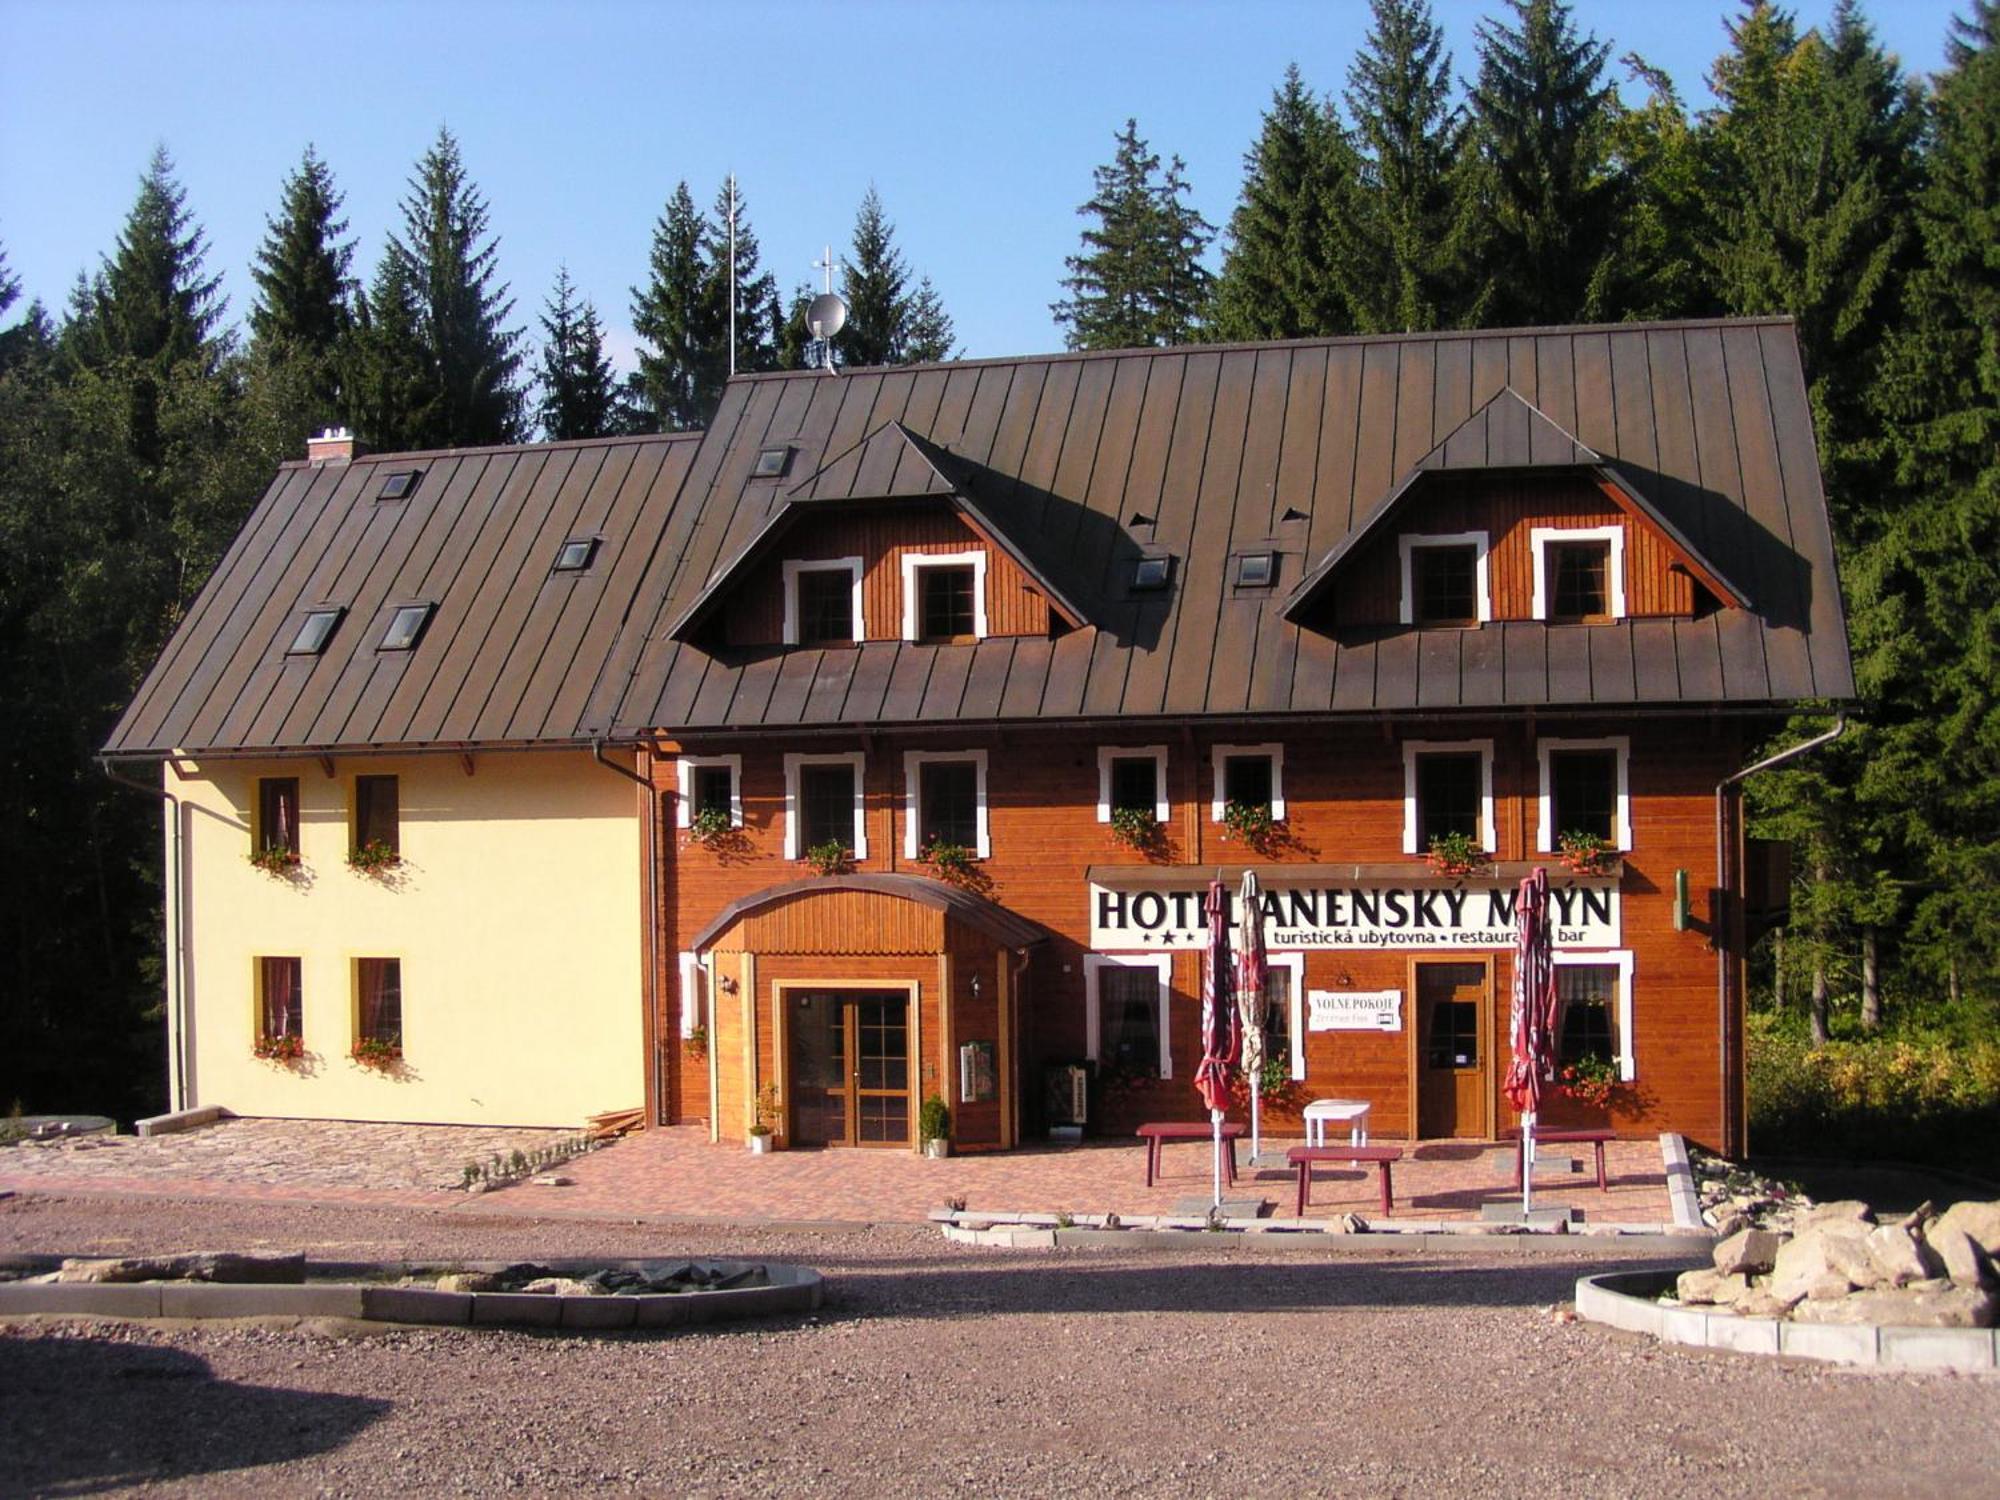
point(1455, 854)
point(373, 858)
point(378, 1053)
point(288, 1049)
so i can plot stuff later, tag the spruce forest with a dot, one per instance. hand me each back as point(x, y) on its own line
point(1547, 179)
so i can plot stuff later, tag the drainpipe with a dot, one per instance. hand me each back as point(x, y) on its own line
point(177, 967)
point(1726, 879)
point(649, 955)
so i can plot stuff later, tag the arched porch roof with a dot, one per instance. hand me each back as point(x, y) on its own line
point(989, 917)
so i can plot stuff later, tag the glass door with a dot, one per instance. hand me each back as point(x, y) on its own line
point(848, 1054)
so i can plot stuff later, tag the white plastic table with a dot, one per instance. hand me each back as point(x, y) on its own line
point(1321, 1111)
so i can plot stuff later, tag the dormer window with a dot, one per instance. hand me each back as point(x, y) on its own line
point(1444, 579)
point(944, 596)
point(823, 602)
point(315, 630)
point(406, 627)
point(1579, 573)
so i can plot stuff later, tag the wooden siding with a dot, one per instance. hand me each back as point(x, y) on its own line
point(1508, 509)
point(1343, 788)
point(854, 922)
point(881, 538)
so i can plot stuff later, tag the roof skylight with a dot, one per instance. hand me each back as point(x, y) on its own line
point(1256, 570)
point(576, 554)
point(772, 462)
point(406, 626)
point(399, 484)
point(315, 630)
point(1150, 574)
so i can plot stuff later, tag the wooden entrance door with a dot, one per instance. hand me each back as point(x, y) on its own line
point(849, 1067)
point(1451, 1045)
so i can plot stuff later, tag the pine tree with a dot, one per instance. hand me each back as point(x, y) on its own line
point(672, 318)
point(1543, 112)
point(304, 290)
point(579, 394)
point(871, 283)
point(757, 313)
point(470, 356)
point(928, 335)
point(1400, 245)
point(391, 391)
point(1139, 280)
point(1658, 272)
point(1277, 281)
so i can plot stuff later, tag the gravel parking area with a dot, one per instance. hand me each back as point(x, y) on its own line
point(1207, 1369)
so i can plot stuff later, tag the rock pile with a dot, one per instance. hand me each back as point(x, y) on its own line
point(615, 1281)
point(213, 1265)
point(1834, 1263)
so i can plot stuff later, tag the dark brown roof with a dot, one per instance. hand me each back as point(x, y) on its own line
point(1079, 464)
point(991, 918)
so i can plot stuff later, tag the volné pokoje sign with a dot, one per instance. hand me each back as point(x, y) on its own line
point(1353, 914)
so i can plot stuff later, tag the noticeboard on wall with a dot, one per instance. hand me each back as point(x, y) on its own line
point(976, 1081)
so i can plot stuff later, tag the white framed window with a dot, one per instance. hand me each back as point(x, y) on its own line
point(1445, 578)
point(1579, 572)
point(815, 619)
point(1293, 967)
point(942, 801)
point(695, 980)
point(1614, 966)
point(1444, 793)
point(1120, 781)
point(813, 801)
point(1240, 777)
point(939, 601)
point(1119, 1026)
point(1585, 787)
point(710, 781)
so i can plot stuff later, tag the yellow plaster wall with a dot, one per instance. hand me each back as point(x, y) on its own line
point(516, 913)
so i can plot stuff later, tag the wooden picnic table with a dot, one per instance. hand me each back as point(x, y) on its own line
point(1157, 1134)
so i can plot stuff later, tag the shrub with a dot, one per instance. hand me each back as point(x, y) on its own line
point(933, 1120)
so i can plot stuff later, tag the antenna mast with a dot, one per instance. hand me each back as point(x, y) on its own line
point(732, 275)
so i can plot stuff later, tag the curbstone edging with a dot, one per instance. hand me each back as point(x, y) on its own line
point(1681, 1193)
point(1625, 1300)
point(178, 1120)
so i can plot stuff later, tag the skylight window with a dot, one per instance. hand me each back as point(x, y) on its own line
point(1151, 573)
point(576, 554)
point(406, 627)
point(399, 485)
point(315, 630)
point(1256, 570)
point(772, 462)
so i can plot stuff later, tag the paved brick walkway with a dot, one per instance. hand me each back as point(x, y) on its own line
point(676, 1173)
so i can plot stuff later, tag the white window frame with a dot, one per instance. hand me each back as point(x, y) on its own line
point(1220, 755)
point(1539, 538)
point(685, 768)
point(1621, 817)
point(1295, 965)
point(858, 759)
point(1479, 541)
point(1095, 964)
point(1621, 960)
point(1414, 748)
point(1162, 809)
point(697, 982)
point(796, 566)
point(915, 562)
point(913, 784)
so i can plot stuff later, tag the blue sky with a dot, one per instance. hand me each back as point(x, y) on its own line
point(978, 124)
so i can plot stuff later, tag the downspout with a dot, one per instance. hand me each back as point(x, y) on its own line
point(177, 968)
point(1724, 924)
point(649, 957)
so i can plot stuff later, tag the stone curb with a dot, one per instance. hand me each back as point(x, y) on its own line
point(181, 1119)
point(1680, 1183)
point(793, 1289)
point(1625, 1299)
point(1042, 1232)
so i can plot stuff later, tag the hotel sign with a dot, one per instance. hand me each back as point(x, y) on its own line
point(1353, 914)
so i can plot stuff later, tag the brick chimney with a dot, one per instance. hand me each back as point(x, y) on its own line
point(335, 445)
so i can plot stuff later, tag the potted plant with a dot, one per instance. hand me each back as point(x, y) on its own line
point(764, 1109)
point(934, 1128)
point(954, 863)
point(695, 1043)
point(709, 827)
point(1250, 824)
point(1136, 827)
point(276, 860)
point(287, 1048)
point(381, 1053)
point(1455, 854)
point(373, 857)
point(1585, 853)
point(1591, 1081)
point(829, 858)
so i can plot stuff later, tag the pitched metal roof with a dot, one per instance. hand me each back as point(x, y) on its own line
point(1080, 464)
point(996, 921)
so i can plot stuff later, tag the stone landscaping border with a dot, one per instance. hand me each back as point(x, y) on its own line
point(1681, 1191)
point(1626, 1299)
point(793, 1289)
point(1010, 1230)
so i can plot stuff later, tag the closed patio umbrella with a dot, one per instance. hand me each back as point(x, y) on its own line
point(1218, 1025)
point(1532, 1018)
point(1251, 965)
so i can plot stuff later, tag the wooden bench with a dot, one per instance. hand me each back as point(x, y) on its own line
point(1596, 1138)
point(1155, 1135)
point(1303, 1157)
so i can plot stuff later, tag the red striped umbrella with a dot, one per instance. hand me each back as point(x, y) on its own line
point(1251, 964)
point(1532, 1017)
point(1219, 1033)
